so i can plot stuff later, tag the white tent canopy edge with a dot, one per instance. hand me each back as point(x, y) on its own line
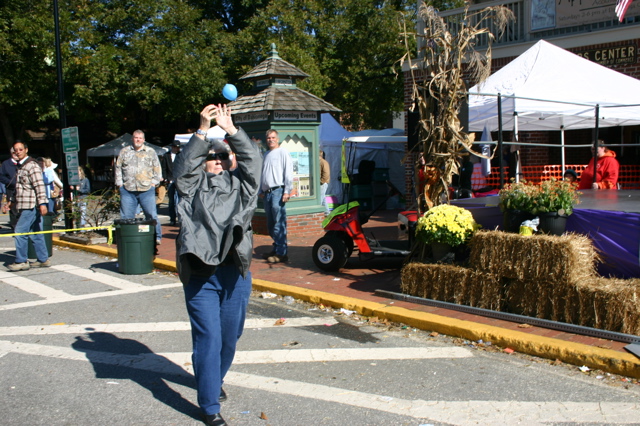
point(386, 147)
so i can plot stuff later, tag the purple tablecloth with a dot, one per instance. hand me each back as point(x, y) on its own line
point(616, 235)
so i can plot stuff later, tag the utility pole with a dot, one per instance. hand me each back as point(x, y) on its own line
point(63, 116)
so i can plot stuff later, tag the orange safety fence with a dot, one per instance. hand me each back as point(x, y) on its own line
point(628, 176)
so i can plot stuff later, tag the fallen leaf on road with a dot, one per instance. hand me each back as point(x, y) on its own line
point(280, 321)
point(524, 326)
point(263, 416)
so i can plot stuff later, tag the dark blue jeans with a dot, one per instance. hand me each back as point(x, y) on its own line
point(173, 200)
point(129, 201)
point(30, 220)
point(217, 309)
point(276, 213)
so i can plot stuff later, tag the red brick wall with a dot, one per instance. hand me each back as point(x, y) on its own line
point(299, 225)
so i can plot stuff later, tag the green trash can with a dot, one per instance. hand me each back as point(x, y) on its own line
point(135, 240)
point(47, 225)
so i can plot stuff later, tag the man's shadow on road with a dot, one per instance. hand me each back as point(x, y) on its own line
point(127, 359)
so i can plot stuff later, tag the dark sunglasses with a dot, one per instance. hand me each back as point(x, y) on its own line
point(224, 156)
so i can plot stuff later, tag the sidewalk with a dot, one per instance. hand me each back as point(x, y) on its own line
point(354, 287)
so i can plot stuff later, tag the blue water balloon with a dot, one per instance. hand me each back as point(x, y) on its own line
point(230, 92)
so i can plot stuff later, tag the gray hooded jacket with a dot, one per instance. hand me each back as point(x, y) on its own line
point(216, 210)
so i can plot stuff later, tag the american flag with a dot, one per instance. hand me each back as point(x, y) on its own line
point(621, 8)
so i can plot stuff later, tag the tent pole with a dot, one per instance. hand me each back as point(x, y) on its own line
point(562, 152)
point(595, 152)
point(500, 153)
point(516, 138)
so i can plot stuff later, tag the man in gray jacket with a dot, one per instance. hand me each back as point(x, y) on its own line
point(214, 248)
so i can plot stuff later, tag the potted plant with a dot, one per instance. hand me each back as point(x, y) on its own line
point(444, 227)
point(99, 209)
point(552, 201)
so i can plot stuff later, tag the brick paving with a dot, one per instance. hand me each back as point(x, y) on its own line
point(360, 280)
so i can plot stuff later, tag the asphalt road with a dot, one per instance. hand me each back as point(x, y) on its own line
point(82, 344)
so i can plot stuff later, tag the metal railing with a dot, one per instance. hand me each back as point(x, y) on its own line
point(516, 31)
point(519, 31)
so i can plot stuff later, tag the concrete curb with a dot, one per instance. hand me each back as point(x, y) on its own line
point(569, 352)
point(163, 264)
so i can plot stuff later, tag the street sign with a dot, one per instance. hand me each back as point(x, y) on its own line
point(70, 139)
point(71, 159)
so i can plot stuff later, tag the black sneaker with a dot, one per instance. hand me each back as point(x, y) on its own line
point(214, 420)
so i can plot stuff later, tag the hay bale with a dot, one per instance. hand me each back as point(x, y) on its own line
point(453, 284)
point(630, 307)
point(529, 298)
point(560, 259)
point(490, 289)
point(610, 304)
point(434, 281)
point(516, 298)
point(541, 299)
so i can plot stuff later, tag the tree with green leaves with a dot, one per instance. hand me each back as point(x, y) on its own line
point(144, 62)
point(151, 63)
point(130, 64)
point(28, 86)
point(348, 47)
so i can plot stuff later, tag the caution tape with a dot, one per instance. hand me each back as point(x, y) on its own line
point(59, 231)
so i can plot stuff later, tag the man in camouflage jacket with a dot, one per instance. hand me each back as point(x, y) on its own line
point(138, 172)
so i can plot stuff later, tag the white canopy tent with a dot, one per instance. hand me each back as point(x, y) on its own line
point(385, 147)
point(549, 88)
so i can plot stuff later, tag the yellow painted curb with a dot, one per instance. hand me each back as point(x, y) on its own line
point(166, 265)
point(569, 352)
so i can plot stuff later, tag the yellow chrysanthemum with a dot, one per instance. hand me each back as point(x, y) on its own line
point(446, 224)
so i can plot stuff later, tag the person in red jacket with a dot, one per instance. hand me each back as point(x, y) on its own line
point(606, 175)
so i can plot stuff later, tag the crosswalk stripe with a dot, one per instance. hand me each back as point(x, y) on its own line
point(109, 280)
point(159, 362)
point(30, 286)
point(449, 412)
point(71, 298)
point(250, 323)
point(346, 354)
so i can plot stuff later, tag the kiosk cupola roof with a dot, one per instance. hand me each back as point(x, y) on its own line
point(274, 66)
point(274, 89)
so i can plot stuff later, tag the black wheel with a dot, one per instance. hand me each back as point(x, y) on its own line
point(348, 241)
point(329, 253)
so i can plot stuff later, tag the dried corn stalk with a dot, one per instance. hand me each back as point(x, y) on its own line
point(439, 90)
